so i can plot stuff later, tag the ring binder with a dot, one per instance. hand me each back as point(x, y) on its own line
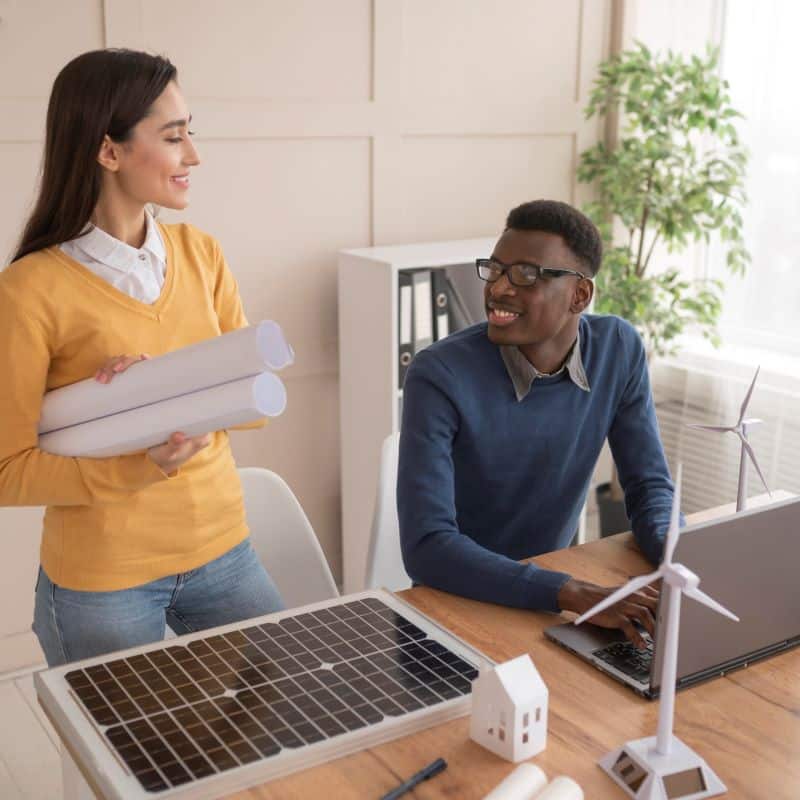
point(423, 309)
point(430, 308)
point(404, 319)
point(441, 304)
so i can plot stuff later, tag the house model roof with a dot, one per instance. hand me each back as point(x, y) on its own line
point(520, 679)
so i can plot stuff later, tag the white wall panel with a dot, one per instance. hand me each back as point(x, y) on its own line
point(462, 187)
point(282, 208)
point(507, 53)
point(38, 37)
point(299, 50)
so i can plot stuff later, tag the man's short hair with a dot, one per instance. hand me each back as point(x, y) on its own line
point(579, 233)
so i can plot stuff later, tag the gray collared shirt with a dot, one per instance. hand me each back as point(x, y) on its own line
point(523, 373)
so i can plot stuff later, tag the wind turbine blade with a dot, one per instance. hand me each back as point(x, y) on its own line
point(630, 587)
point(717, 428)
point(747, 396)
point(751, 453)
point(675, 518)
point(703, 598)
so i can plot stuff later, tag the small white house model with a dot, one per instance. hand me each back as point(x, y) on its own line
point(509, 710)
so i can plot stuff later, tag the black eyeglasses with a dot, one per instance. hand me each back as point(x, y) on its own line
point(521, 274)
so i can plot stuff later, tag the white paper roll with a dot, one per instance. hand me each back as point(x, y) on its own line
point(223, 359)
point(561, 788)
point(523, 783)
point(194, 414)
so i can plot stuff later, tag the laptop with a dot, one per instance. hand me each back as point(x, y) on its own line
point(749, 563)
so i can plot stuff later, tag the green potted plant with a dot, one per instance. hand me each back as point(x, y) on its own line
point(673, 177)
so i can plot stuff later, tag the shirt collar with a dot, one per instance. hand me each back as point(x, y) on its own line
point(111, 252)
point(523, 373)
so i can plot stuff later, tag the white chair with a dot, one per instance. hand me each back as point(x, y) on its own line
point(21, 533)
point(284, 539)
point(384, 559)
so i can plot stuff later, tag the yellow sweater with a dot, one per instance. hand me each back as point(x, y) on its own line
point(113, 523)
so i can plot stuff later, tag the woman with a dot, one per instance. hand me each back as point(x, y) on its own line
point(133, 541)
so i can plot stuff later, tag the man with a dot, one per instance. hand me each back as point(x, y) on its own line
point(503, 423)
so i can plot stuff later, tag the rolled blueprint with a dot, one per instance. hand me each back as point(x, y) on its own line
point(561, 788)
point(524, 783)
point(230, 357)
point(195, 414)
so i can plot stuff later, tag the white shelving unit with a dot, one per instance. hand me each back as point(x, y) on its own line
point(370, 400)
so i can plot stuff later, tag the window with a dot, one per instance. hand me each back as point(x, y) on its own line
point(761, 60)
point(526, 719)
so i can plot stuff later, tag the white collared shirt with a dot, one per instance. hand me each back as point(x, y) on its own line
point(138, 273)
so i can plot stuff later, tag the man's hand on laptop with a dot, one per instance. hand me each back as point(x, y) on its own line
point(637, 612)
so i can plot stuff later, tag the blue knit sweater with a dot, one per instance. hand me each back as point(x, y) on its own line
point(485, 479)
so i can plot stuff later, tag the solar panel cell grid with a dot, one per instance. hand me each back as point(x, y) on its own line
point(183, 713)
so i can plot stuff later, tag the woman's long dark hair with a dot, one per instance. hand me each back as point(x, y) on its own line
point(98, 93)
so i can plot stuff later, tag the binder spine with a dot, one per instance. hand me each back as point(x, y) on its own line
point(404, 318)
point(422, 309)
point(441, 304)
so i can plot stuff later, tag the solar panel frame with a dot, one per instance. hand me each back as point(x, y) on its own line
point(106, 771)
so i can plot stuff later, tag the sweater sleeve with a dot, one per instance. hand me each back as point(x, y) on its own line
point(28, 475)
point(230, 312)
point(227, 302)
point(435, 551)
point(638, 453)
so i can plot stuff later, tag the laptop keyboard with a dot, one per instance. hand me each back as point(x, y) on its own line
point(628, 659)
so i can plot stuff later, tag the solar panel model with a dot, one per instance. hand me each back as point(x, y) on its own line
point(235, 706)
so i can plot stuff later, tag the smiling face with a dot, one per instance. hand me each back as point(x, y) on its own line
point(549, 310)
point(153, 165)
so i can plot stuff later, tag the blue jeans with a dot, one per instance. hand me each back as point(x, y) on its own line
point(73, 625)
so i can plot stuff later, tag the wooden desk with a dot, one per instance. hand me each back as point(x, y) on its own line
point(747, 724)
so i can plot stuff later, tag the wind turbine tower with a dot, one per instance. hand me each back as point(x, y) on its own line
point(662, 767)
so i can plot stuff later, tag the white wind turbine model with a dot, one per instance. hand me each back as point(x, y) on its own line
point(740, 429)
point(661, 767)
